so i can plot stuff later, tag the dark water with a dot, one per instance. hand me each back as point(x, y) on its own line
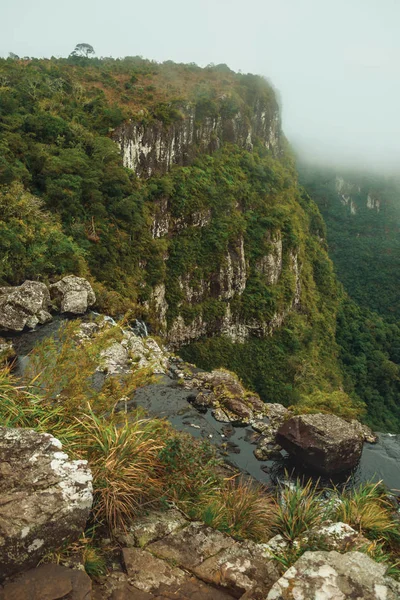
point(167, 399)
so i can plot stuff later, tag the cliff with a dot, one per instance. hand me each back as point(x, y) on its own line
point(173, 189)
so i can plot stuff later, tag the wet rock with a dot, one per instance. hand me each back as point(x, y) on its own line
point(238, 408)
point(267, 450)
point(367, 433)
point(24, 306)
point(45, 498)
point(324, 442)
point(221, 416)
point(147, 573)
point(72, 295)
point(192, 545)
point(152, 528)
point(49, 582)
point(241, 568)
point(331, 576)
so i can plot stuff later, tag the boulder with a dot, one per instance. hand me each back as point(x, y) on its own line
point(334, 576)
point(72, 295)
point(49, 582)
point(324, 442)
point(24, 306)
point(45, 498)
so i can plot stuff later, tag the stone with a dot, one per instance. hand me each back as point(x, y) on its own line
point(114, 360)
point(366, 432)
point(255, 403)
point(151, 528)
point(335, 536)
point(147, 573)
point(324, 442)
point(192, 545)
point(276, 413)
point(334, 576)
point(238, 408)
point(275, 546)
point(7, 351)
point(45, 498)
point(241, 568)
point(24, 306)
point(72, 295)
point(49, 582)
point(267, 450)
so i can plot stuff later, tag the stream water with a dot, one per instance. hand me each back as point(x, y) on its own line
point(167, 399)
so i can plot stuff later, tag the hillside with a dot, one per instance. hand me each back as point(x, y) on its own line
point(172, 188)
point(362, 214)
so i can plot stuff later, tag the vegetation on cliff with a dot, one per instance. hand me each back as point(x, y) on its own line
point(70, 206)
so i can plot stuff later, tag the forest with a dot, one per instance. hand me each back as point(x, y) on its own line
point(68, 205)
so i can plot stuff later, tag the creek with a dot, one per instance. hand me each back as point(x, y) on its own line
point(168, 399)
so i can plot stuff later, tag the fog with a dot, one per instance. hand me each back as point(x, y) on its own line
point(336, 63)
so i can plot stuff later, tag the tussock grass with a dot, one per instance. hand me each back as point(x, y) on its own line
point(367, 509)
point(300, 508)
point(127, 473)
point(242, 509)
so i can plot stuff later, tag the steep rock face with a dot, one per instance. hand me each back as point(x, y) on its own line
point(155, 147)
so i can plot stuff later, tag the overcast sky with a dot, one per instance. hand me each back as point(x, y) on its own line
point(336, 63)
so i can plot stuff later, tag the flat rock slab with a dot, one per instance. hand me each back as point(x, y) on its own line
point(147, 573)
point(49, 582)
point(334, 576)
point(240, 568)
point(192, 545)
point(151, 528)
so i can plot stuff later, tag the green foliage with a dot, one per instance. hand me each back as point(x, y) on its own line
point(32, 243)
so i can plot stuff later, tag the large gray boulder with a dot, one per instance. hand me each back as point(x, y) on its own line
point(72, 295)
point(24, 306)
point(45, 498)
point(334, 576)
point(326, 443)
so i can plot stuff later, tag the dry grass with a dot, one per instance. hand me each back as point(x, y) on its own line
point(242, 509)
point(367, 509)
point(127, 473)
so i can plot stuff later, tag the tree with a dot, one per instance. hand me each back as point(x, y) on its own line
point(83, 50)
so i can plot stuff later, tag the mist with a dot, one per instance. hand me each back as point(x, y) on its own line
point(335, 63)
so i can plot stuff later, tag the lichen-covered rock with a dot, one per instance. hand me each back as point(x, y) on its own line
point(324, 442)
point(151, 528)
point(24, 306)
point(73, 295)
point(335, 536)
point(192, 545)
point(45, 498)
point(49, 582)
point(240, 568)
point(223, 392)
point(334, 576)
point(147, 572)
